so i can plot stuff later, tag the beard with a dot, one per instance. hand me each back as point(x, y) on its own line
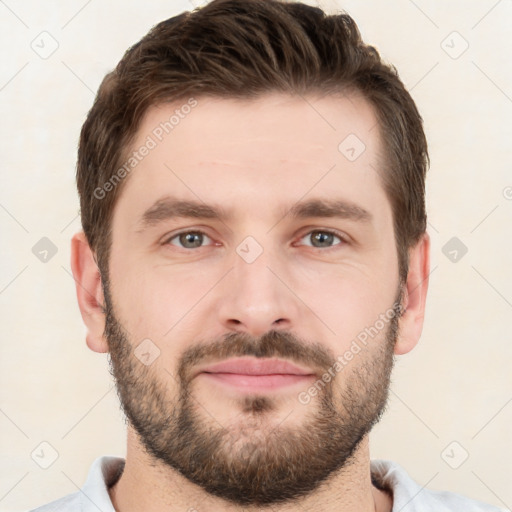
point(253, 462)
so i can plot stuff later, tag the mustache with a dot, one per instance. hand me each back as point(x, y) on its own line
point(273, 343)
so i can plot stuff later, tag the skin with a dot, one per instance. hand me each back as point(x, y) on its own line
point(255, 158)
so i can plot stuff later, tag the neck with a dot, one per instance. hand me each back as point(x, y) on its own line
point(149, 485)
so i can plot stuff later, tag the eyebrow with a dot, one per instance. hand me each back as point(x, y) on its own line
point(169, 208)
point(330, 208)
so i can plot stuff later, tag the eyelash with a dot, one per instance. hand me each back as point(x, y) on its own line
point(343, 239)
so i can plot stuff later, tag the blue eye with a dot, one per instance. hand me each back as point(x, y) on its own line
point(319, 239)
point(322, 239)
point(189, 239)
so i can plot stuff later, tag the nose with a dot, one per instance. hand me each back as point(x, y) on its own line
point(254, 297)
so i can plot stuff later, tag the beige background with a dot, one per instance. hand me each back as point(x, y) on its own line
point(456, 386)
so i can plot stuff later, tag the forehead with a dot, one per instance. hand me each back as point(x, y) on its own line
point(259, 154)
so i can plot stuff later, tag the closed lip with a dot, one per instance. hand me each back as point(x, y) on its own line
point(256, 366)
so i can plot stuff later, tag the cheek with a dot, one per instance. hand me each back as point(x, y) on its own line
point(158, 302)
point(347, 300)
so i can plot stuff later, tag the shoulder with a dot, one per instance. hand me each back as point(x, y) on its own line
point(408, 496)
point(93, 495)
point(69, 503)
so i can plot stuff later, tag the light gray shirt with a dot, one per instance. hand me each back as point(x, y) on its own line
point(408, 496)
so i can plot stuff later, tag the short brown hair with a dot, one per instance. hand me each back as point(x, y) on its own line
point(243, 49)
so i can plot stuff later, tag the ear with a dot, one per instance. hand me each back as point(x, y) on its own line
point(415, 295)
point(89, 292)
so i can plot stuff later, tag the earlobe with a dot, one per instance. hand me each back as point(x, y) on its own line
point(415, 294)
point(89, 291)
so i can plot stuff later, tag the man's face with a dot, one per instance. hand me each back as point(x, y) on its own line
point(297, 262)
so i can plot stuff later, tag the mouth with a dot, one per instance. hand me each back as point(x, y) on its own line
point(250, 374)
